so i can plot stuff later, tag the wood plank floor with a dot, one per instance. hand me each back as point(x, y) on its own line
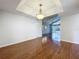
point(35, 49)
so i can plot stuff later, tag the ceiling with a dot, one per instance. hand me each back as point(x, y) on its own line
point(70, 6)
point(31, 7)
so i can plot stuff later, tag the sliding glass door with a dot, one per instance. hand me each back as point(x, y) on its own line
point(56, 32)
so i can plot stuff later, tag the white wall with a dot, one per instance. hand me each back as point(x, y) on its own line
point(16, 28)
point(70, 28)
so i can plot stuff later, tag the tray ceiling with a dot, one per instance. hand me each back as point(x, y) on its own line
point(31, 7)
point(70, 6)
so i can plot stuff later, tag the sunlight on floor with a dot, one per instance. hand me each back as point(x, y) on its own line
point(44, 39)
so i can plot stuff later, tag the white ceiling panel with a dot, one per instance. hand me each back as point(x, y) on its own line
point(31, 7)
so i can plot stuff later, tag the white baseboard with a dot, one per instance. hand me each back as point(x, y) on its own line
point(27, 39)
point(70, 41)
point(1, 46)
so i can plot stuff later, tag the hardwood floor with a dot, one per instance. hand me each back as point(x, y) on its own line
point(35, 49)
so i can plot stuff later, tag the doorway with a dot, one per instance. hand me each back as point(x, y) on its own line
point(51, 27)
